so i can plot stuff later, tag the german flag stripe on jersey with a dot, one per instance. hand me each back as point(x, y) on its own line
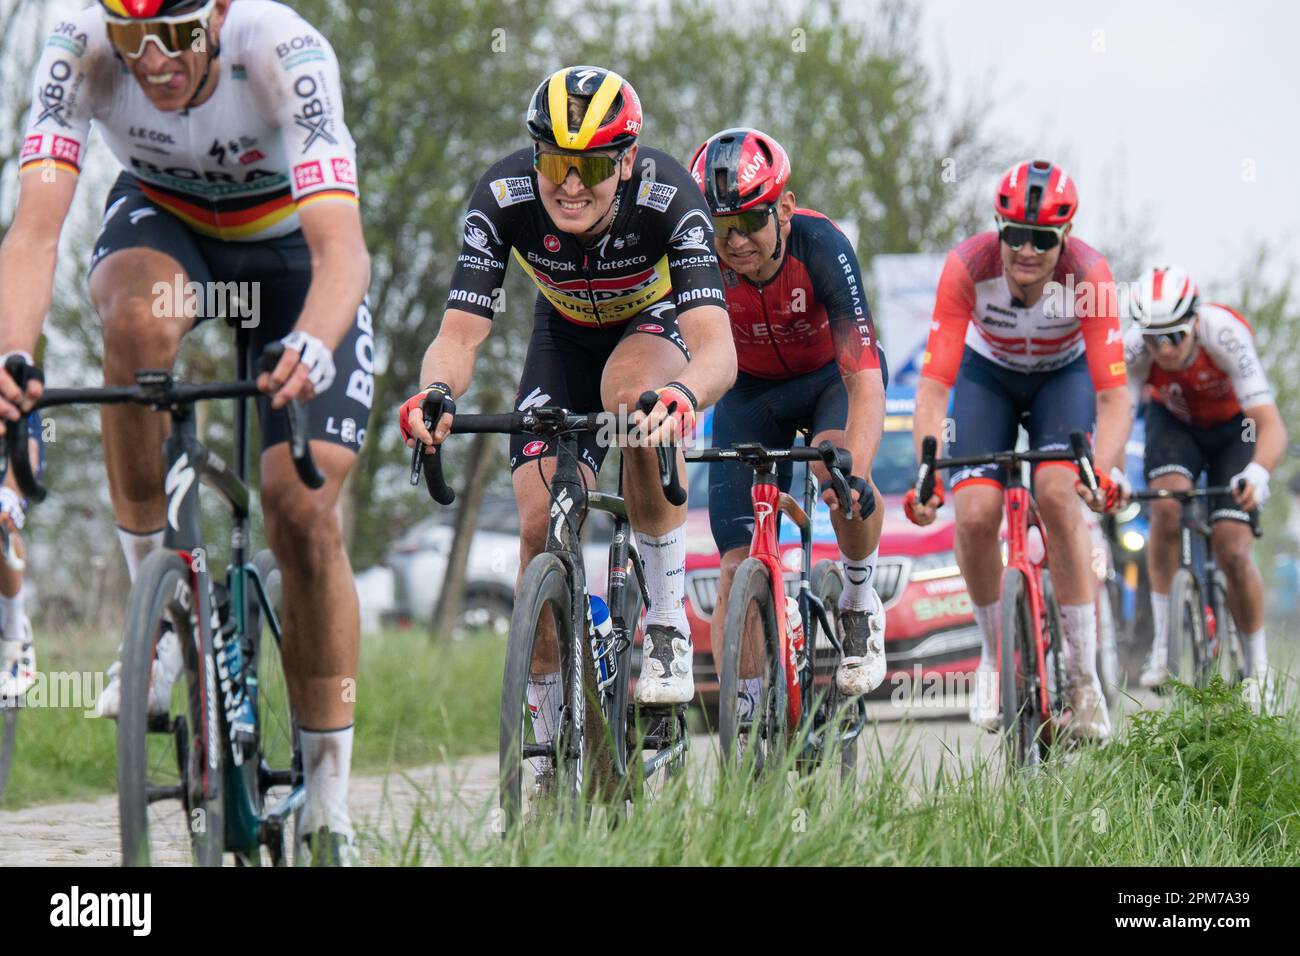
point(230, 219)
point(64, 165)
point(345, 194)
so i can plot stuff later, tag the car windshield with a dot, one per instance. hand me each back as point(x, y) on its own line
point(894, 469)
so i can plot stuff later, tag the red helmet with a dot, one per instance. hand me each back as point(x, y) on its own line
point(611, 113)
point(1037, 194)
point(149, 9)
point(738, 169)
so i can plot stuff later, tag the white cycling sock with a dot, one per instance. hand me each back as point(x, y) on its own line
point(989, 619)
point(1079, 621)
point(1252, 645)
point(747, 698)
point(859, 576)
point(137, 547)
point(1160, 620)
point(544, 710)
point(664, 557)
point(11, 616)
point(326, 765)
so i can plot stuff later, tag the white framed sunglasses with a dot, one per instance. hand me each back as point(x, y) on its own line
point(172, 35)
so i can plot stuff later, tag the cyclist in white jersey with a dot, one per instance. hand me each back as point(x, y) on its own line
point(227, 120)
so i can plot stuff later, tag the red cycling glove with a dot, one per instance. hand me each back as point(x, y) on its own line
point(681, 403)
point(909, 499)
point(416, 400)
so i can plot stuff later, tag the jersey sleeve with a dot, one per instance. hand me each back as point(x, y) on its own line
point(1232, 347)
point(837, 284)
point(1097, 306)
point(1137, 364)
point(486, 240)
point(71, 72)
point(302, 86)
point(954, 304)
point(688, 229)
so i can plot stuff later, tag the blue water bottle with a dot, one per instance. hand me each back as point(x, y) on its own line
point(602, 647)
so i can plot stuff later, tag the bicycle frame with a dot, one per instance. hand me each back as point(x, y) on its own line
point(1021, 512)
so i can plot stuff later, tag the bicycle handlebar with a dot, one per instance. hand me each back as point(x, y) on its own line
point(1186, 495)
point(838, 462)
point(156, 389)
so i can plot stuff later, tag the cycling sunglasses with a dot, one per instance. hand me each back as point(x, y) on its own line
point(172, 35)
point(592, 168)
point(1042, 237)
point(746, 223)
point(1174, 337)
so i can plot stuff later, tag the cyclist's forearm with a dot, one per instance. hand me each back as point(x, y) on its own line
point(866, 418)
point(712, 369)
point(27, 266)
point(1114, 420)
point(931, 407)
point(1269, 435)
point(450, 356)
point(340, 275)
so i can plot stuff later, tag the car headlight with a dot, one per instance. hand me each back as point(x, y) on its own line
point(941, 564)
point(1132, 540)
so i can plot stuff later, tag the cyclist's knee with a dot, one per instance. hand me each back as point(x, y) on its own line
point(1165, 518)
point(979, 516)
point(301, 523)
point(135, 336)
point(1056, 498)
point(1233, 554)
point(730, 562)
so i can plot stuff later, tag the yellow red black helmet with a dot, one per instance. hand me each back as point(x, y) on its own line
point(579, 108)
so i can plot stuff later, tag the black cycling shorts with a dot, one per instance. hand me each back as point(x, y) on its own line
point(563, 368)
point(1174, 447)
point(770, 412)
point(281, 271)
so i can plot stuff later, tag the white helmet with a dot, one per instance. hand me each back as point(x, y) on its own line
point(1166, 298)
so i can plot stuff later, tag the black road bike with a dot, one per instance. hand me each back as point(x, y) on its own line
point(598, 750)
point(192, 784)
point(1203, 636)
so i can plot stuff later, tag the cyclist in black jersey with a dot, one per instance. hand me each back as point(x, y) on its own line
point(620, 245)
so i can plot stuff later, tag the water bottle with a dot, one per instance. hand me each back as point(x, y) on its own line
point(794, 628)
point(602, 645)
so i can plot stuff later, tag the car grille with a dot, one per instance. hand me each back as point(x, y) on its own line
point(890, 576)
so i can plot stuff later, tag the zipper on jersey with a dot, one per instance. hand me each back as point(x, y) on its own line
point(591, 293)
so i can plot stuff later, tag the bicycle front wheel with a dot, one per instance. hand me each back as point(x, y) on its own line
point(169, 765)
point(1188, 643)
point(1022, 719)
point(544, 601)
point(836, 714)
point(1233, 663)
point(752, 714)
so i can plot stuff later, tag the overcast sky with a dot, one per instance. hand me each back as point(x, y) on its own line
point(1183, 103)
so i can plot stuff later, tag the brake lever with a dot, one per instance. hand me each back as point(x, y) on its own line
point(1083, 458)
point(839, 462)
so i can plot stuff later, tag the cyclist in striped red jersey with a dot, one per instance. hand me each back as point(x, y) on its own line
point(1026, 328)
point(807, 356)
point(1211, 410)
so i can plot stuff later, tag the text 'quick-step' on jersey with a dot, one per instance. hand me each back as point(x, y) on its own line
point(269, 140)
point(658, 247)
point(812, 311)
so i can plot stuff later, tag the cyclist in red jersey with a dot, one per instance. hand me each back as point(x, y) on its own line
point(1211, 410)
point(1026, 327)
point(807, 356)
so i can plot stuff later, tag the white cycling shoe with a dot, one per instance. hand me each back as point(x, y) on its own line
point(17, 665)
point(863, 632)
point(167, 665)
point(1089, 720)
point(984, 710)
point(667, 667)
point(1155, 673)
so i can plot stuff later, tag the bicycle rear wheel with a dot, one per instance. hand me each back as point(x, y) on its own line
point(545, 594)
point(1232, 663)
point(278, 767)
point(169, 767)
point(1188, 644)
point(750, 722)
point(1022, 720)
point(835, 713)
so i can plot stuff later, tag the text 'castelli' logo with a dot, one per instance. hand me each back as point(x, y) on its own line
point(650, 327)
point(551, 243)
point(534, 448)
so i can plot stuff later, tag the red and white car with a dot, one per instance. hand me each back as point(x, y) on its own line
point(930, 628)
